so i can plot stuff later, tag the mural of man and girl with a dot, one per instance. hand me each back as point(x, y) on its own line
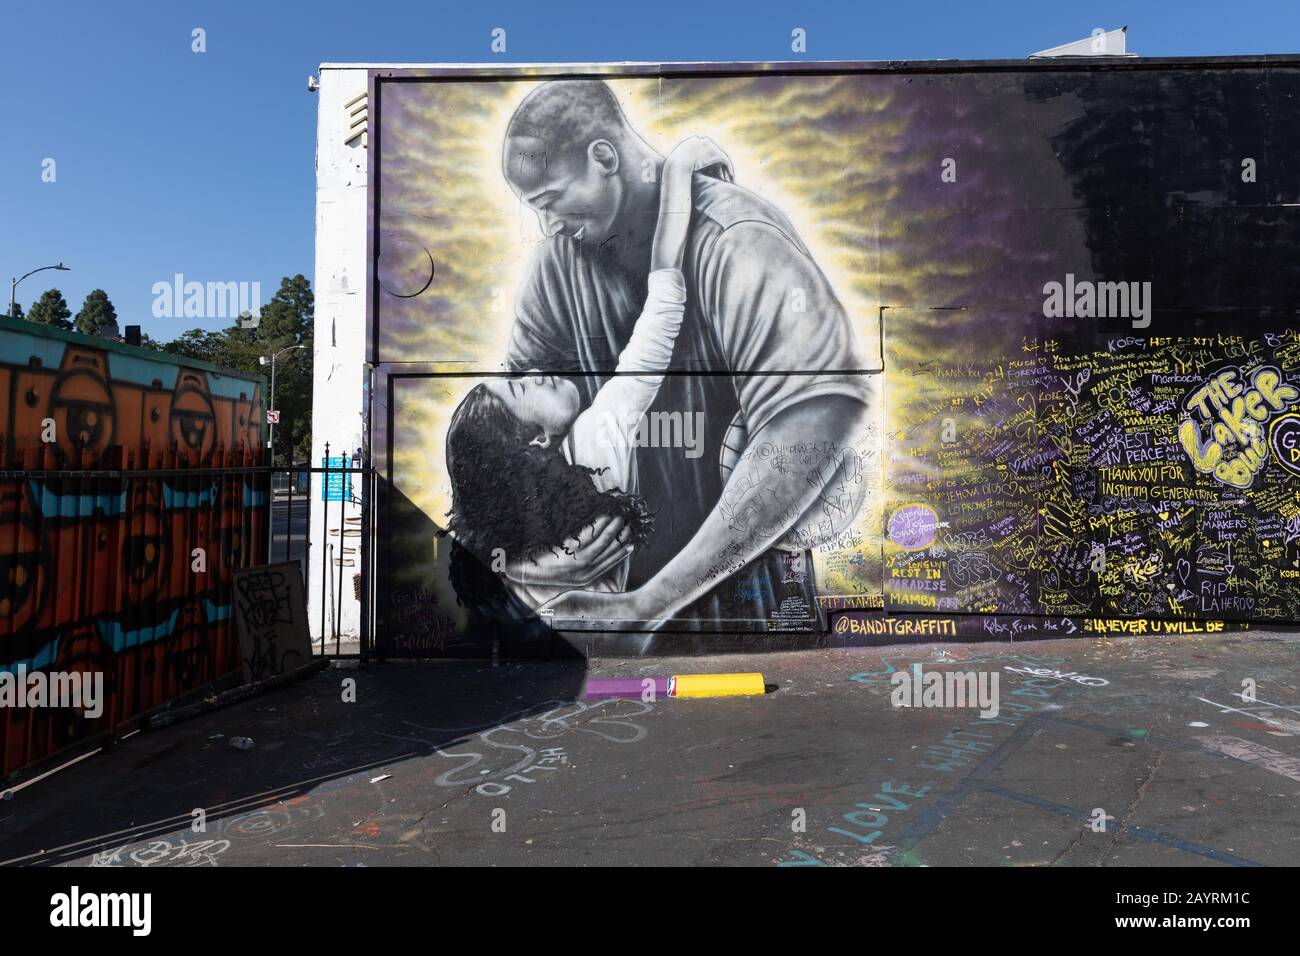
point(662, 288)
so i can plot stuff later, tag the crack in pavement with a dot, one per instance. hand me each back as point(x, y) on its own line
point(1068, 847)
point(419, 821)
point(1142, 790)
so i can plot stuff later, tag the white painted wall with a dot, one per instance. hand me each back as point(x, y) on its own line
point(340, 338)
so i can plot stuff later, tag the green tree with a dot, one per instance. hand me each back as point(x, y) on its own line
point(202, 345)
point(285, 320)
point(96, 311)
point(51, 309)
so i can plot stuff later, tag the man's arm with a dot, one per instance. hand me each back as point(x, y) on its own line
point(759, 504)
point(798, 374)
point(775, 315)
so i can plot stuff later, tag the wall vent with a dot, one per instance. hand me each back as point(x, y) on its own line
point(355, 118)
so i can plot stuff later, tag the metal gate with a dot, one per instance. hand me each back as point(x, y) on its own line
point(325, 576)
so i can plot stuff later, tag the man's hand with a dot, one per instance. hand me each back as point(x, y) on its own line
point(695, 153)
point(593, 553)
point(691, 154)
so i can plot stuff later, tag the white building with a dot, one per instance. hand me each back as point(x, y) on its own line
point(340, 342)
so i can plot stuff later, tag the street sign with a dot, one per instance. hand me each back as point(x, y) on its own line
point(273, 416)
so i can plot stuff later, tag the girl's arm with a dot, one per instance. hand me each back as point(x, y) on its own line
point(690, 155)
point(616, 412)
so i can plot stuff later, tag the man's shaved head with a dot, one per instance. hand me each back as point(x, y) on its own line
point(564, 116)
point(571, 156)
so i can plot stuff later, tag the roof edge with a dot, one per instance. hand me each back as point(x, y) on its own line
point(23, 326)
point(796, 66)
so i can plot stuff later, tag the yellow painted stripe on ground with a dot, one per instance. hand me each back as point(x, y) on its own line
point(717, 685)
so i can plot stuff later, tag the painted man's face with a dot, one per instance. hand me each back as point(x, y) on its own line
point(544, 402)
point(577, 196)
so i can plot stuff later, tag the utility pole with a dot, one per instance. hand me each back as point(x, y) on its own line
point(264, 360)
point(13, 283)
point(270, 444)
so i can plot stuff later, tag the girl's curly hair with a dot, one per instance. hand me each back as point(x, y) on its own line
point(520, 497)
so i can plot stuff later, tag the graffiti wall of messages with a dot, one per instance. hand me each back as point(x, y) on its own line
point(979, 348)
point(1154, 477)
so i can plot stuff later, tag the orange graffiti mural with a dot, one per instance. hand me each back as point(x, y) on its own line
point(131, 490)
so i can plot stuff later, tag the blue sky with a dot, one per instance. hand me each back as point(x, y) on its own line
point(173, 161)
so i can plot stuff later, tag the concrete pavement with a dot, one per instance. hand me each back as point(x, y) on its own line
point(458, 763)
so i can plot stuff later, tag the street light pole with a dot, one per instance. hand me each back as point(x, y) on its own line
point(270, 441)
point(13, 283)
point(270, 444)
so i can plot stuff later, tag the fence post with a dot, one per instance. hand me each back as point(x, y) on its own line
point(324, 537)
point(363, 562)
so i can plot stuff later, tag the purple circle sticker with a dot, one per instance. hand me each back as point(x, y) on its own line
point(912, 527)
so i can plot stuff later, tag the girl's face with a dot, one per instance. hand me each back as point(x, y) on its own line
point(545, 402)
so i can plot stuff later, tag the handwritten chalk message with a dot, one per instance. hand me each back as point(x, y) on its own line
point(913, 527)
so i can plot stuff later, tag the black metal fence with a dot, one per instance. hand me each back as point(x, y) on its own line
point(343, 483)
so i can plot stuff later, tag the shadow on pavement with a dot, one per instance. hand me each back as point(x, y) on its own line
point(307, 740)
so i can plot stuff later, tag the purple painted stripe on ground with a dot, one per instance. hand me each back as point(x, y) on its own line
point(624, 687)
